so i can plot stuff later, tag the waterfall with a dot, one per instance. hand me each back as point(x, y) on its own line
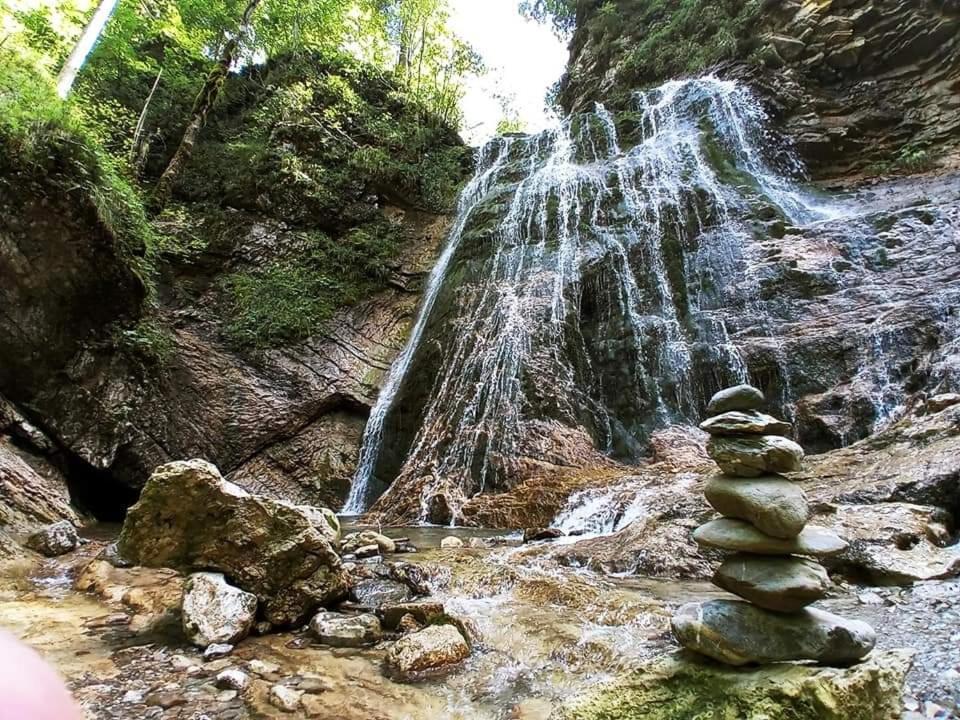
point(631, 223)
point(491, 161)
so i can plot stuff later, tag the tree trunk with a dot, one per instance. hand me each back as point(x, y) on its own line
point(141, 121)
point(89, 37)
point(201, 108)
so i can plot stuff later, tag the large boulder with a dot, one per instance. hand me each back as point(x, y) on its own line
point(755, 455)
point(682, 686)
point(189, 518)
point(784, 584)
point(737, 633)
point(774, 505)
point(215, 612)
point(432, 651)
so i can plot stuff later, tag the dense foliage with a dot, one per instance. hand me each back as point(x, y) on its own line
point(325, 106)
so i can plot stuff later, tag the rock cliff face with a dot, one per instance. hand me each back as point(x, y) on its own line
point(862, 86)
point(282, 417)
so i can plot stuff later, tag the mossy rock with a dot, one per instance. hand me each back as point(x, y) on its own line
point(683, 686)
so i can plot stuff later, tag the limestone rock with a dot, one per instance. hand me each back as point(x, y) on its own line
point(451, 543)
point(423, 612)
point(538, 534)
point(232, 679)
point(774, 505)
point(896, 543)
point(284, 698)
point(749, 423)
point(338, 630)
point(939, 403)
point(737, 633)
point(752, 456)
point(189, 518)
point(783, 584)
point(355, 541)
point(377, 592)
point(739, 397)
point(681, 686)
point(54, 540)
point(740, 536)
point(433, 650)
point(214, 612)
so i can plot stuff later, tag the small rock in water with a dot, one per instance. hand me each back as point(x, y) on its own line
point(355, 541)
point(424, 612)
point(409, 624)
point(263, 667)
point(741, 536)
point(284, 698)
point(366, 551)
point(339, 630)
point(451, 543)
point(55, 540)
point(215, 612)
point(537, 534)
point(870, 598)
point(752, 456)
point(774, 505)
point(433, 650)
point(737, 633)
point(783, 584)
point(749, 423)
point(217, 651)
point(939, 403)
point(740, 397)
point(232, 679)
point(376, 593)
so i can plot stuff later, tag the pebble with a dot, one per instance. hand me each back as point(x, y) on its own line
point(232, 679)
point(133, 697)
point(262, 667)
point(165, 699)
point(315, 685)
point(451, 543)
point(217, 650)
point(870, 598)
point(285, 698)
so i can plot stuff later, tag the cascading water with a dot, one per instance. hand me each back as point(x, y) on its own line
point(579, 287)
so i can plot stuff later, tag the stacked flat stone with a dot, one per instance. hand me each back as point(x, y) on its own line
point(774, 564)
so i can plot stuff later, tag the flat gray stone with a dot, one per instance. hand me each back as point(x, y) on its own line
point(737, 422)
point(338, 630)
point(741, 536)
point(754, 455)
point(782, 584)
point(739, 397)
point(737, 633)
point(772, 504)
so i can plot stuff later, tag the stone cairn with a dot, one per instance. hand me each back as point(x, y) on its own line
point(773, 566)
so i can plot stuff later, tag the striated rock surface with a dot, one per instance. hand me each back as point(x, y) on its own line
point(861, 85)
point(188, 517)
point(679, 686)
point(737, 633)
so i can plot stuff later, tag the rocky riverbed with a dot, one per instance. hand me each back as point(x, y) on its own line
point(546, 634)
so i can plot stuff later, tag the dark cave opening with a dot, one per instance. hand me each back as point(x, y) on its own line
point(98, 492)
